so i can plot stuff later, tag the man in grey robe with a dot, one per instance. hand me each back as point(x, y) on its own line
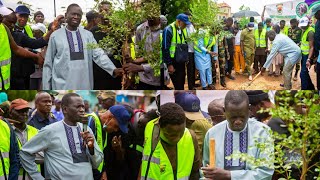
point(238, 134)
point(70, 149)
point(68, 62)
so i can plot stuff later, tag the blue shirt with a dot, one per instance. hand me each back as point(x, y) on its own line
point(38, 122)
point(57, 114)
point(286, 47)
point(13, 155)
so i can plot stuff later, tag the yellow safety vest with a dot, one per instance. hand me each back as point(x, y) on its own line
point(285, 30)
point(132, 48)
point(99, 132)
point(4, 149)
point(154, 167)
point(209, 41)
point(260, 40)
point(176, 39)
point(31, 132)
point(5, 58)
point(304, 41)
point(28, 30)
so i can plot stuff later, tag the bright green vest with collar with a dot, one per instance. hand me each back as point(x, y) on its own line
point(260, 40)
point(176, 39)
point(28, 30)
point(153, 167)
point(4, 149)
point(5, 58)
point(99, 132)
point(209, 41)
point(31, 132)
point(304, 41)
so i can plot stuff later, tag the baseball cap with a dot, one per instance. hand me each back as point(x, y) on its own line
point(39, 26)
point(4, 10)
point(19, 104)
point(122, 116)
point(190, 103)
point(107, 94)
point(304, 21)
point(22, 9)
point(184, 18)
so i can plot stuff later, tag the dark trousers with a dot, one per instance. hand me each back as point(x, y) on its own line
point(306, 83)
point(259, 61)
point(178, 77)
point(318, 76)
point(144, 86)
point(191, 71)
point(230, 62)
point(20, 83)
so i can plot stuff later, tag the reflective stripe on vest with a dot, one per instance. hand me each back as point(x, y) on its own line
point(99, 132)
point(260, 40)
point(304, 42)
point(31, 132)
point(164, 169)
point(176, 39)
point(5, 57)
point(208, 42)
point(28, 30)
point(4, 148)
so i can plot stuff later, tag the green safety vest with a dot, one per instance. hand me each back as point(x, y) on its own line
point(99, 132)
point(160, 168)
point(28, 30)
point(260, 41)
point(285, 30)
point(4, 149)
point(304, 41)
point(132, 48)
point(5, 58)
point(176, 39)
point(209, 41)
point(31, 132)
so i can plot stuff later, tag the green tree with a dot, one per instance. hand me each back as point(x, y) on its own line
point(171, 8)
point(244, 8)
point(27, 95)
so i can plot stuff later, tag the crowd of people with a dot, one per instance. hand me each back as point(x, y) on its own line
point(102, 144)
point(267, 45)
point(40, 58)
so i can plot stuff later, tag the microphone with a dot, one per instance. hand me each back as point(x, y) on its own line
point(85, 128)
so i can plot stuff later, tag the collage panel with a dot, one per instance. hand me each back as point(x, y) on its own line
point(84, 44)
point(237, 134)
point(240, 45)
point(74, 134)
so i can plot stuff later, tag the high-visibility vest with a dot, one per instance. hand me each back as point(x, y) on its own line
point(265, 27)
point(285, 30)
point(28, 30)
point(260, 40)
point(154, 167)
point(176, 39)
point(304, 41)
point(5, 58)
point(132, 48)
point(31, 132)
point(99, 139)
point(209, 41)
point(4, 149)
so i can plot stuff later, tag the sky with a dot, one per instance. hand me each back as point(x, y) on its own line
point(46, 6)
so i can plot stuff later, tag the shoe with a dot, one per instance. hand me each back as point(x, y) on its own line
point(250, 77)
point(223, 84)
point(282, 85)
point(231, 77)
point(204, 88)
point(211, 87)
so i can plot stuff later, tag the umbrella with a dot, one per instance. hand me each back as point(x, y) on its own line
point(245, 13)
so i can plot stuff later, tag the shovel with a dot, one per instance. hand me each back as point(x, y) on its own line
point(255, 78)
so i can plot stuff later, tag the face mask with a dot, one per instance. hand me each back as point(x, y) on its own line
point(105, 125)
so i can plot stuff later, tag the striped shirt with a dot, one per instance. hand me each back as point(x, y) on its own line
point(286, 47)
